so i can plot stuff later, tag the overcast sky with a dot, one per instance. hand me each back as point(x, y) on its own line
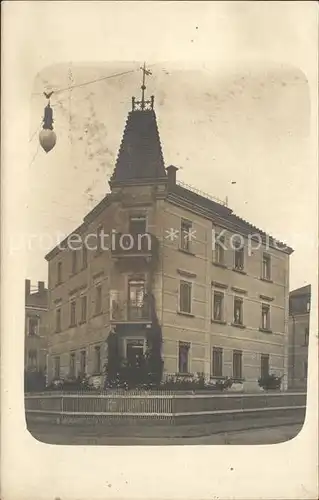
point(230, 119)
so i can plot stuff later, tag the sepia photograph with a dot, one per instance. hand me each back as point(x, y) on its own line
point(163, 316)
point(163, 245)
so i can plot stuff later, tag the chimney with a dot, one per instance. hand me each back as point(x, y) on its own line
point(41, 286)
point(27, 287)
point(171, 173)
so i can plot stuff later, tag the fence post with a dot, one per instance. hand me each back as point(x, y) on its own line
point(62, 407)
point(173, 409)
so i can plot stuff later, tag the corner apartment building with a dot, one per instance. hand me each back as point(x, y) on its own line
point(223, 310)
point(299, 318)
point(36, 322)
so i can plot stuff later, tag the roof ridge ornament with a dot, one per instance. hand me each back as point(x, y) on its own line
point(143, 104)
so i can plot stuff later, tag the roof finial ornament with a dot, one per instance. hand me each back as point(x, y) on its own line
point(143, 104)
point(143, 87)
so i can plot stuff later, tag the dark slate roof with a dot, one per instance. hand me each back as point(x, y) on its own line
point(223, 215)
point(140, 154)
point(304, 290)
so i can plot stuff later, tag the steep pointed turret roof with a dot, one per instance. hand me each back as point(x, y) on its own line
point(140, 155)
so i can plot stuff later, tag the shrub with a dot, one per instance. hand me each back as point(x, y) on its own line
point(270, 382)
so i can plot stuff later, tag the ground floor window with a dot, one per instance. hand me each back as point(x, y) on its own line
point(97, 359)
point(83, 362)
point(183, 357)
point(32, 358)
point(237, 364)
point(217, 362)
point(264, 365)
point(72, 364)
point(57, 367)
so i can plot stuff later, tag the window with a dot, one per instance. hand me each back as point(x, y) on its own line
point(305, 369)
point(237, 364)
point(83, 308)
point(73, 313)
point(266, 270)
point(186, 228)
point(57, 367)
point(217, 362)
point(308, 306)
point(264, 365)
point(136, 293)
point(72, 364)
point(134, 352)
point(99, 236)
point(33, 327)
point(83, 362)
point(98, 299)
point(137, 225)
point(306, 336)
point(238, 311)
point(97, 359)
point(59, 273)
point(185, 298)
point(58, 320)
point(84, 256)
point(220, 250)
point(32, 358)
point(239, 256)
point(218, 306)
point(265, 317)
point(183, 357)
point(74, 261)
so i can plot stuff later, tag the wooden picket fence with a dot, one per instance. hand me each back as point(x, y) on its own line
point(156, 406)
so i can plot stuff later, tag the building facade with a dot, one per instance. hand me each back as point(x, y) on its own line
point(219, 285)
point(36, 326)
point(299, 316)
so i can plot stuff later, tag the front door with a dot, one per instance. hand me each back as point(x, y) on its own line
point(134, 352)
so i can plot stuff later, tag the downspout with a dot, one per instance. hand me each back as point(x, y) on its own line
point(293, 350)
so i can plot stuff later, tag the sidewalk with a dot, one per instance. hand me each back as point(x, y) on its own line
point(188, 434)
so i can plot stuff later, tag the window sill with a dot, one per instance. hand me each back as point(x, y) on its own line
point(182, 313)
point(218, 321)
point(266, 280)
point(265, 330)
point(82, 322)
point(238, 325)
point(58, 284)
point(58, 331)
point(73, 325)
point(219, 264)
point(218, 377)
point(240, 271)
point(96, 374)
point(188, 252)
point(184, 374)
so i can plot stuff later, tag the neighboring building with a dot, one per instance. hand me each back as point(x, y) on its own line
point(222, 312)
point(299, 315)
point(36, 331)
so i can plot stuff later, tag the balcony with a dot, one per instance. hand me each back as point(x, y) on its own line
point(130, 312)
point(134, 245)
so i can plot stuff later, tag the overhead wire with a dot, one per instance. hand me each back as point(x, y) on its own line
point(70, 87)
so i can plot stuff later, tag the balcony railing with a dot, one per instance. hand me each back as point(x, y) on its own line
point(134, 245)
point(130, 312)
